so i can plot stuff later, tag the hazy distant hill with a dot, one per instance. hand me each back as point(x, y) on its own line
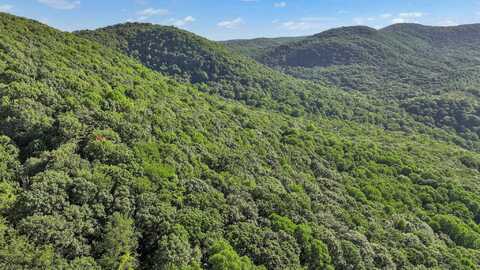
point(220, 71)
point(385, 61)
point(258, 46)
point(432, 72)
point(189, 57)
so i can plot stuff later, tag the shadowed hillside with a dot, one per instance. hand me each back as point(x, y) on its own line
point(256, 47)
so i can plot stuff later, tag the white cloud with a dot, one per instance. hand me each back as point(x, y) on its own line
point(411, 15)
point(317, 19)
point(60, 4)
point(184, 22)
point(363, 21)
point(5, 8)
point(297, 25)
point(399, 20)
point(404, 17)
point(359, 21)
point(448, 23)
point(149, 12)
point(408, 17)
point(280, 4)
point(307, 23)
point(231, 24)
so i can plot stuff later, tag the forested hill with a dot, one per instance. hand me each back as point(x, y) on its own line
point(107, 164)
point(256, 47)
point(219, 71)
point(398, 61)
point(216, 70)
point(400, 47)
point(430, 72)
point(441, 37)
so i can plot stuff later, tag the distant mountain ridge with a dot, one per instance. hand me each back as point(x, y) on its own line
point(412, 65)
point(222, 71)
point(406, 53)
point(215, 68)
point(468, 34)
point(255, 47)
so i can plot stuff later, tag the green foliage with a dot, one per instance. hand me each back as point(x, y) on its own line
point(256, 47)
point(415, 68)
point(224, 257)
point(315, 253)
point(173, 250)
point(7, 195)
point(459, 232)
point(216, 70)
point(105, 163)
point(282, 223)
point(119, 244)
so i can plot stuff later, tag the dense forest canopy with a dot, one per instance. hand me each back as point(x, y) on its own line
point(407, 63)
point(429, 72)
point(110, 161)
point(230, 75)
point(256, 47)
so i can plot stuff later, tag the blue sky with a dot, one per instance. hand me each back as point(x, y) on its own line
point(232, 19)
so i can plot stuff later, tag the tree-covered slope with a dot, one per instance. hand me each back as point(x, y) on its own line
point(214, 68)
point(398, 61)
point(184, 55)
point(106, 164)
point(256, 47)
point(447, 37)
point(403, 63)
point(421, 57)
